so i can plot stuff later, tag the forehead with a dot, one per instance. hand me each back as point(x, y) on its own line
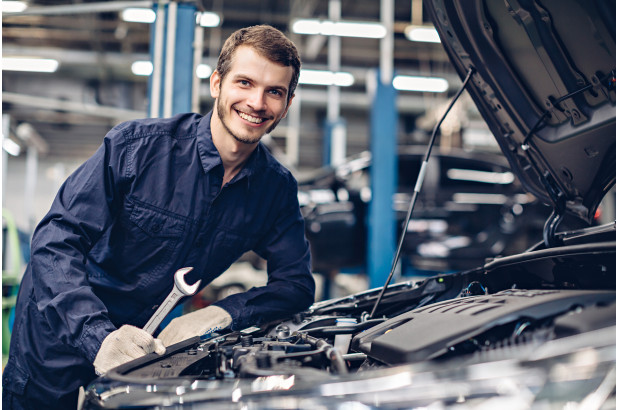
point(247, 62)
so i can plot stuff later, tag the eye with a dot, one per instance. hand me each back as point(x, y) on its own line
point(276, 92)
point(244, 82)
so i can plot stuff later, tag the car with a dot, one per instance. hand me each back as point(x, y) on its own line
point(535, 329)
point(472, 207)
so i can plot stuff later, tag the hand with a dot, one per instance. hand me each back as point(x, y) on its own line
point(197, 323)
point(123, 345)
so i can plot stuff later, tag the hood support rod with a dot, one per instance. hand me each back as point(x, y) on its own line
point(416, 191)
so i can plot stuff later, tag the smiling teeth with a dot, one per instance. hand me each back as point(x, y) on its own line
point(247, 117)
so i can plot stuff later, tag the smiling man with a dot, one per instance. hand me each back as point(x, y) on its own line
point(252, 96)
point(159, 195)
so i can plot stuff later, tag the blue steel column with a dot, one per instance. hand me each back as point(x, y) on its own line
point(174, 91)
point(383, 178)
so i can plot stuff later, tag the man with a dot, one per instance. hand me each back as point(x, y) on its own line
point(158, 195)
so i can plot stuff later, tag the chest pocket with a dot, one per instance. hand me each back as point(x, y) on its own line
point(155, 223)
point(152, 236)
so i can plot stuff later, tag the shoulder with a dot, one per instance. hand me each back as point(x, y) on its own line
point(180, 126)
point(274, 168)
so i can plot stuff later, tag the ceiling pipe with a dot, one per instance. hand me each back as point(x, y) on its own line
point(169, 75)
point(198, 49)
point(416, 12)
point(386, 51)
point(54, 104)
point(100, 7)
point(336, 128)
point(158, 48)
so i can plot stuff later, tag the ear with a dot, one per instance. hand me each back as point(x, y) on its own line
point(214, 84)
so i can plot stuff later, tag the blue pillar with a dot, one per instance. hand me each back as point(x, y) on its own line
point(383, 178)
point(172, 94)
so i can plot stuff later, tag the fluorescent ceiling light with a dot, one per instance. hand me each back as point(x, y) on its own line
point(422, 84)
point(138, 15)
point(142, 68)
point(339, 28)
point(318, 77)
point(145, 68)
point(426, 34)
point(209, 19)
point(11, 146)
point(13, 6)
point(33, 64)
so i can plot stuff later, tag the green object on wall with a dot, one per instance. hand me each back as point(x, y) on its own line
point(11, 276)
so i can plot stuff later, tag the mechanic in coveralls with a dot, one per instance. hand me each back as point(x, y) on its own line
point(159, 195)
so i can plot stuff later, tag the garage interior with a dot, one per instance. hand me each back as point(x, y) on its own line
point(53, 121)
point(455, 164)
point(94, 88)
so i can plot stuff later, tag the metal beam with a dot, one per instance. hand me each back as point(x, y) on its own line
point(100, 7)
point(94, 110)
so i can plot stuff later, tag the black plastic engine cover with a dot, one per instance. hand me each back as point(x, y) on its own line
point(429, 331)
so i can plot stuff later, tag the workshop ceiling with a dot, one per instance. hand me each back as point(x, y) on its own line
point(96, 48)
point(104, 32)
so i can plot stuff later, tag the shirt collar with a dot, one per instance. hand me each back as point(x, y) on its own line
point(210, 157)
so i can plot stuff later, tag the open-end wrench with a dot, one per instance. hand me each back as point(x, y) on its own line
point(179, 290)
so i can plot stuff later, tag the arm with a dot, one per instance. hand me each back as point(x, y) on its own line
point(83, 208)
point(290, 286)
point(289, 289)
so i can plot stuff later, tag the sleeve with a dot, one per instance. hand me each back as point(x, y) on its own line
point(84, 207)
point(290, 286)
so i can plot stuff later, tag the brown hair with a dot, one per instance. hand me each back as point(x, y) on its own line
point(270, 43)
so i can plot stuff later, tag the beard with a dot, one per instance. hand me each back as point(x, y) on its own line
point(245, 139)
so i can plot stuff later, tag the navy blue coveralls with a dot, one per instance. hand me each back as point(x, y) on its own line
point(147, 203)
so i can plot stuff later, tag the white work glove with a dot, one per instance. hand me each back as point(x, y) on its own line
point(196, 323)
point(123, 345)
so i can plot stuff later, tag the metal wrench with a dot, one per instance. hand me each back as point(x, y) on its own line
point(179, 290)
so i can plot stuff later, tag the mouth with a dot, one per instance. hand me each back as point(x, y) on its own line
point(251, 118)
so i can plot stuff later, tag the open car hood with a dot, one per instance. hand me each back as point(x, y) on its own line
point(543, 78)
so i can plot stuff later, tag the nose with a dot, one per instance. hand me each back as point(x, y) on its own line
point(256, 99)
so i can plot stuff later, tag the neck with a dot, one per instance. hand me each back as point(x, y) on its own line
point(234, 154)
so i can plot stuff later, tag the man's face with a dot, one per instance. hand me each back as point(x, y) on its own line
point(252, 98)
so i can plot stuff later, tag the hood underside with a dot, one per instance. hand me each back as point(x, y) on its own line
point(543, 78)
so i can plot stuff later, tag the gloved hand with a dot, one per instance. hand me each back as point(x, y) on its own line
point(196, 323)
point(123, 345)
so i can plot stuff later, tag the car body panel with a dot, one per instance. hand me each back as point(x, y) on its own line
point(544, 81)
point(471, 207)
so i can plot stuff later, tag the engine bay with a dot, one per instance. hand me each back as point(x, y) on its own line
point(436, 319)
